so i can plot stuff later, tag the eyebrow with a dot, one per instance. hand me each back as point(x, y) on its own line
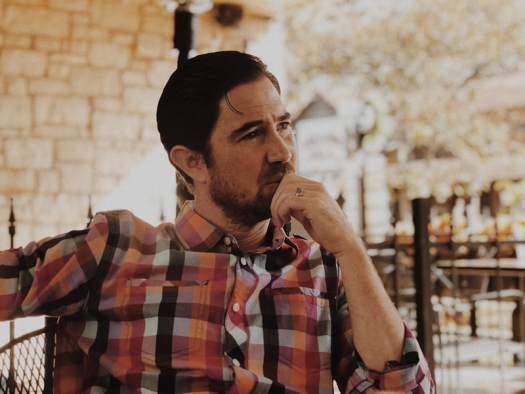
point(250, 125)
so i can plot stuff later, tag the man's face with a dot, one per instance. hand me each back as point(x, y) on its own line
point(252, 147)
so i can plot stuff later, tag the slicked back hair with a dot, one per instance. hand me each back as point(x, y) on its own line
point(189, 105)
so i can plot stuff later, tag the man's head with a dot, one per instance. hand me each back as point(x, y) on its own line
point(189, 105)
point(228, 133)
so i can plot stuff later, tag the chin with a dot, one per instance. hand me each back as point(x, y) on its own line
point(272, 187)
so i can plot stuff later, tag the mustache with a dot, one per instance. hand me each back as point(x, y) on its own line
point(276, 170)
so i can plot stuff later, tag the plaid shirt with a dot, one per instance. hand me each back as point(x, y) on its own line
point(180, 309)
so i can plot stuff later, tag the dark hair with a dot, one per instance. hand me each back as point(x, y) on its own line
point(189, 105)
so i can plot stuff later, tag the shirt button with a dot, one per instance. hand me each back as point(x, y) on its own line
point(227, 241)
point(236, 362)
point(236, 307)
point(243, 261)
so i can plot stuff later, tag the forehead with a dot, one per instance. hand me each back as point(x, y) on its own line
point(251, 101)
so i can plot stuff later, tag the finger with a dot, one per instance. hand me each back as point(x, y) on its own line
point(292, 186)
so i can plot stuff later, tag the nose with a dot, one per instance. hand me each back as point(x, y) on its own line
point(281, 148)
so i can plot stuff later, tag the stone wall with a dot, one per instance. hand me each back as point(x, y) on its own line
point(79, 84)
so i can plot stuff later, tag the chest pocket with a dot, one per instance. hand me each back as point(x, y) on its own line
point(164, 319)
point(301, 324)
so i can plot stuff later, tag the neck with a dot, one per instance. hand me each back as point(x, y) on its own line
point(249, 238)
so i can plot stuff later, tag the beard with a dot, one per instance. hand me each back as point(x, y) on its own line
point(237, 206)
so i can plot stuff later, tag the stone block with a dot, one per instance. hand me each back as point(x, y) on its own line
point(114, 126)
point(123, 39)
point(109, 55)
point(21, 207)
point(9, 133)
point(80, 19)
point(149, 46)
point(17, 87)
point(37, 21)
point(70, 209)
point(160, 72)
point(115, 162)
point(149, 130)
point(47, 44)
point(43, 230)
point(119, 17)
point(17, 181)
point(76, 204)
point(95, 82)
point(24, 62)
point(17, 41)
point(168, 53)
point(24, 232)
point(139, 64)
point(46, 210)
point(158, 24)
point(28, 2)
point(80, 31)
point(98, 34)
point(77, 47)
point(104, 184)
point(48, 181)
point(107, 104)
point(75, 177)
point(68, 58)
point(75, 150)
point(59, 132)
point(58, 71)
point(139, 2)
point(32, 154)
point(72, 111)
point(15, 112)
point(141, 100)
point(134, 78)
point(49, 86)
point(69, 5)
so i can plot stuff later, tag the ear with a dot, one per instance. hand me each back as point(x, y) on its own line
point(189, 161)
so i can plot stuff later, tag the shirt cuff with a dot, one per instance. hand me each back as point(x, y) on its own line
point(409, 375)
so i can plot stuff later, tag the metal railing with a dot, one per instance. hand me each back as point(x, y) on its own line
point(26, 362)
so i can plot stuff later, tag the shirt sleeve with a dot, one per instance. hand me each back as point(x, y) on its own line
point(51, 276)
point(410, 375)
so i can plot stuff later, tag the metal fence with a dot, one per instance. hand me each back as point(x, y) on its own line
point(26, 362)
point(464, 300)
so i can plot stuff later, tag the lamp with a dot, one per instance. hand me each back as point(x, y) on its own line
point(228, 14)
point(193, 6)
point(186, 24)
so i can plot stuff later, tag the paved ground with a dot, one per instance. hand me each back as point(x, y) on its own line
point(481, 379)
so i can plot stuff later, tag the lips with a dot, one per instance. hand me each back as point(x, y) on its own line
point(275, 173)
point(275, 180)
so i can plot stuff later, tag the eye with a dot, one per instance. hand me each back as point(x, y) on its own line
point(283, 126)
point(251, 135)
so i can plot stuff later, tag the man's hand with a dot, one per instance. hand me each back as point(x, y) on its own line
point(378, 330)
point(316, 210)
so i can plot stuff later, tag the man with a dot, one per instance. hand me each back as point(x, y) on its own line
point(221, 301)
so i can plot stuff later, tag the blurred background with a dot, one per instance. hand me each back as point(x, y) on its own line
point(412, 113)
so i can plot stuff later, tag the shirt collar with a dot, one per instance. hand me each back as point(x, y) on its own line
point(197, 234)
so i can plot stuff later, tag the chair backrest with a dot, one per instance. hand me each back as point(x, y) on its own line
point(26, 363)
